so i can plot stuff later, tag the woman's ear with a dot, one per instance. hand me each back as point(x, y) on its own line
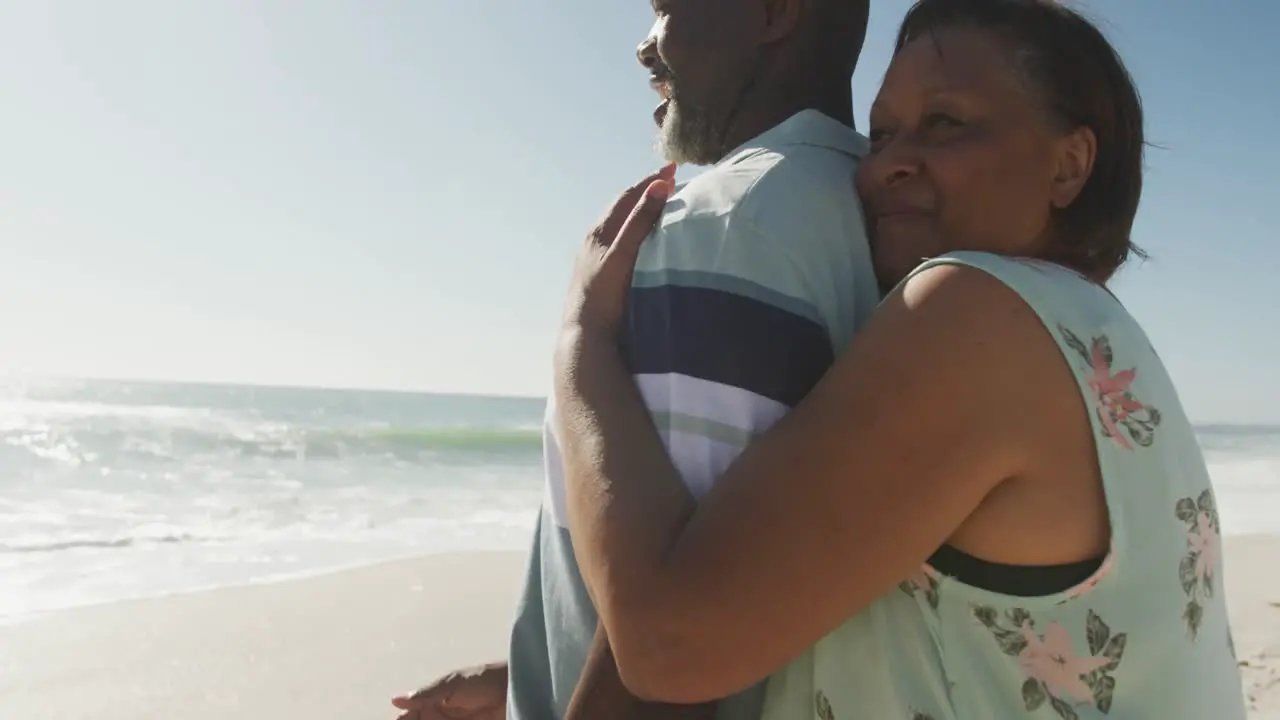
point(1076, 153)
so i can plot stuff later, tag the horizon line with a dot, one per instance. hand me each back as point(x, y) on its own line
point(6, 375)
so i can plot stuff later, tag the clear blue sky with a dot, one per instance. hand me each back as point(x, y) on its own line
point(388, 194)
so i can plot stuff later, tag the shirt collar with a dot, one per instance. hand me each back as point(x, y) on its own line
point(807, 127)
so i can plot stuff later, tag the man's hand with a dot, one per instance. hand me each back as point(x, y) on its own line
point(478, 693)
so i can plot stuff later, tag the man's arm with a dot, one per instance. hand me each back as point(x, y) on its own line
point(478, 693)
point(600, 694)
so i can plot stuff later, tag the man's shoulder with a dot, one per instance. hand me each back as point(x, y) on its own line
point(763, 182)
point(782, 227)
point(762, 203)
point(772, 190)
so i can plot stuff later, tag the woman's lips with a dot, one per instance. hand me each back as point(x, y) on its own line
point(900, 221)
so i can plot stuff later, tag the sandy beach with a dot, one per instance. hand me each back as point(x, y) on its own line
point(1253, 595)
point(332, 647)
point(336, 647)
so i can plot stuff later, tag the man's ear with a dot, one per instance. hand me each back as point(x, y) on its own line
point(782, 18)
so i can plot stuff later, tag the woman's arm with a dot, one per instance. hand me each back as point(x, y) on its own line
point(930, 409)
point(600, 694)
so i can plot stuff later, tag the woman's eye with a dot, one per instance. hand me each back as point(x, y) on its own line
point(941, 120)
point(878, 135)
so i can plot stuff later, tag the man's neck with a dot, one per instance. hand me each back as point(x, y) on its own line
point(771, 106)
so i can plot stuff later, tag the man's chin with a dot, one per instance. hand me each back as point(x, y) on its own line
point(688, 140)
point(669, 147)
point(681, 154)
point(676, 146)
point(668, 152)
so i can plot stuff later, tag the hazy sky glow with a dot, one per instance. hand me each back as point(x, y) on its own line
point(388, 194)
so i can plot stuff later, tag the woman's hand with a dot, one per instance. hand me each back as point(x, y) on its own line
point(602, 273)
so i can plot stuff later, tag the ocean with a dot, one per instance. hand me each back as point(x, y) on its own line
point(112, 490)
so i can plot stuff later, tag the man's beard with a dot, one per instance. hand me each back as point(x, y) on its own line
point(698, 132)
point(690, 133)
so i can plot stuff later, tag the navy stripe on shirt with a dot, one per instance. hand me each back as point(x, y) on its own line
point(726, 338)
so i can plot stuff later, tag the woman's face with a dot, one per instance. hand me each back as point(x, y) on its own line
point(962, 156)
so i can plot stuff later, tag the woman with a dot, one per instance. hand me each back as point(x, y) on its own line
point(993, 506)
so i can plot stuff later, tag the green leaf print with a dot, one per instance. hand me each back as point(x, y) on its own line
point(1018, 617)
point(1063, 709)
point(917, 715)
point(822, 707)
point(1103, 692)
point(1143, 433)
point(1033, 694)
point(1115, 650)
point(1193, 615)
point(1207, 506)
point(1074, 342)
point(1011, 642)
point(1186, 510)
point(1097, 633)
point(986, 615)
point(1187, 573)
point(1104, 345)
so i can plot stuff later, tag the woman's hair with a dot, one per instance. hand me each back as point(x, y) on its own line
point(1081, 81)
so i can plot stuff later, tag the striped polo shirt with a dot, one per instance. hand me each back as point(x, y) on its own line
point(755, 278)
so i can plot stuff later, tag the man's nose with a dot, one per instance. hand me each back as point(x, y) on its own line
point(647, 52)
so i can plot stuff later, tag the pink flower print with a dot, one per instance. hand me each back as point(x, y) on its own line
point(1199, 563)
point(1052, 660)
point(1123, 417)
point(1203, 540)
point(1053, 672)
point(1115, 404)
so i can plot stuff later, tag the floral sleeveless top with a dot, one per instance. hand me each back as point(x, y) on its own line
point(1145, 637)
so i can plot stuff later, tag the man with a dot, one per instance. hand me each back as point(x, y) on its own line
point(757, 275)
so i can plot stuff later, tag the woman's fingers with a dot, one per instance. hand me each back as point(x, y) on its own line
point(607, 230)
point(644, 215)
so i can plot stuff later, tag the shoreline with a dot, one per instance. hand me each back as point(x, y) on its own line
point(337, 644)
point(16, 619)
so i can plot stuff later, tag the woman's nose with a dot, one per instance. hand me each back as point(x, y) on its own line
point(895, 161)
